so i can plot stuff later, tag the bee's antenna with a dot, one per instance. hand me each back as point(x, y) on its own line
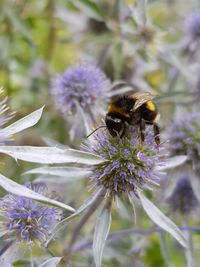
point(102, 126)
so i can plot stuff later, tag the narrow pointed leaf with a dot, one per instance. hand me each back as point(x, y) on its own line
point(101, 231)
point(20, 190)
point(173, 162)
point(91, 8)
point(53, 262)
point(161, 220)
point(50, 142)
point(24, 123)
point(83, 207)
point(50, 155)
point(69, 173)
point(56, 180)
point(84, 118)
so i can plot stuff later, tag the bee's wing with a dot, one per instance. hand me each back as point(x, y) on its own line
point(141, 98)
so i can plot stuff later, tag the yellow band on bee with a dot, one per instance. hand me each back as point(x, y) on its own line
point(150, 105)
point(114, 108)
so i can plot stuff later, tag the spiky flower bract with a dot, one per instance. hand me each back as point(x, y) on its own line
point(5, 117)
point(83, 85)
point(193, 24)
point(183, 199)
point(184, 135)
point(24, 219)
point(127, 167)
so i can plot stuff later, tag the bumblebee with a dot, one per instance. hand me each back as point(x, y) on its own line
point(135, 110)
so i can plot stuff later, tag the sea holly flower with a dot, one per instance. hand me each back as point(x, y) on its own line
point(126, 168)
point(182, 198)
point(24, 219)
point(115, 167)
point(79, 93)
point(184, 137)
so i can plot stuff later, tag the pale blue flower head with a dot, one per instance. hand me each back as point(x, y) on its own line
point(82, 85)
point(184, 135)
point(183, 199)
point(24, 219)
point(127, 167)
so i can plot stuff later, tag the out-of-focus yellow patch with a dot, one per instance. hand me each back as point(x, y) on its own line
point(154, 78)
point(152, 47)
point(129, 2)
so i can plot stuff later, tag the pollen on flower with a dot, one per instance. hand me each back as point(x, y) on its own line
point(127, 169)
point(25, 219)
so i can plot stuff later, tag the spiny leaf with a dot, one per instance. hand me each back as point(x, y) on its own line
point(50, 155)
point(102, 228)
point(20, 190)
point(24, 123)
point(161, 220)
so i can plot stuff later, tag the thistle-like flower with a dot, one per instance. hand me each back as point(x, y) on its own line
point(183, 199)
point(24, 219)
point(116, 166)
point(127, 167)
point(183, 135)
point(81, 91)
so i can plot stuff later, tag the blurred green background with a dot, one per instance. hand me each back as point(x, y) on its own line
point(39, 39)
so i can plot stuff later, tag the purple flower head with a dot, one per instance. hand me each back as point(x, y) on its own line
point(129, 168)
point(25, 219)
point(82, 85)
point(183, 199)
point(184, 135)
point(193, 24)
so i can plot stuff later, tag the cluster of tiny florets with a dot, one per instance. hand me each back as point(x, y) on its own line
point(184, 135)
point(127, 167)
point(183, 199)
point(26, 219)
point(83, 85)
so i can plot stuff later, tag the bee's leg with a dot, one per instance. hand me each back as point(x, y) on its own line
point(123, 131)
point(142, 133)
point(156, 130)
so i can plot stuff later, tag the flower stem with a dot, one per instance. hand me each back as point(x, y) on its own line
point(5, 246)
point(80, 225)
point(117, 235)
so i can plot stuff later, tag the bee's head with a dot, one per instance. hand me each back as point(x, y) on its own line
point(115, 125)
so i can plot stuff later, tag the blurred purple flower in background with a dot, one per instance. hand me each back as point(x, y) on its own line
point(183, 199)
point(81, 91)
point(192, 24)
point(126, 168)
point(24, 219)
point(184, 135)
